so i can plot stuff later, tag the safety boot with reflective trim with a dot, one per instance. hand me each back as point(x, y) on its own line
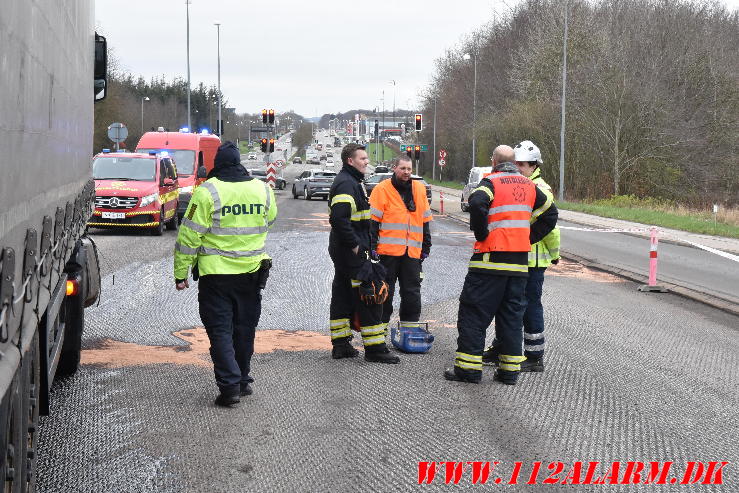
point(459, 375)
point(533, 365)
point(343, 349)
point(379, 353)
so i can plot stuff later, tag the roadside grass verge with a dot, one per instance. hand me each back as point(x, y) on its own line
point(389, 153)
point(661, 213)
point(448, 184)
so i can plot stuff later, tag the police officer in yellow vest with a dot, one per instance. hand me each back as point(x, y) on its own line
point(222, 239)
point(543, 254)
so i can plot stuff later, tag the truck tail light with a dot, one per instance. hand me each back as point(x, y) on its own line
point(73, 287)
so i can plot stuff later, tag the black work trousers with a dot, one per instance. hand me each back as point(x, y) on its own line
point(230, 306)
point(407, 272)
point(484, 297)
point(346, 304)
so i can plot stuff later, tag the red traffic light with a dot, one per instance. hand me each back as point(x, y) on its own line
point(264, 116)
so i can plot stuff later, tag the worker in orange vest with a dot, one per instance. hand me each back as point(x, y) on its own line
point(399, 233)
point(508, 213)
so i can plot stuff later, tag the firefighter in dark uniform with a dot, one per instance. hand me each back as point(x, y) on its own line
point(508, 213)
point(349, 248)
point(222, 239)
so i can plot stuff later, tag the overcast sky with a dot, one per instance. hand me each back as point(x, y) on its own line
point(313, 57)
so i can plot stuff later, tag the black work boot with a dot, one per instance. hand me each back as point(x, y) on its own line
point(506, 377)
point(459, 375)
point(533, 364)
point(227, 400)
point(246, 390)
point(380, 354)
point(343, 349)
point(490, 356)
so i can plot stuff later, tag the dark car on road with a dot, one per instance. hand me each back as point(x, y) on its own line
point(313, 183)
point(371, 182)
point(261, 174)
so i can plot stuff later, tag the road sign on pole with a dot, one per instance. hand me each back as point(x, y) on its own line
point(442, 162)
point(442, 154)
point(117, 132)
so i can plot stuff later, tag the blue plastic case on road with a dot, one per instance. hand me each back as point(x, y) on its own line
point(411, 337)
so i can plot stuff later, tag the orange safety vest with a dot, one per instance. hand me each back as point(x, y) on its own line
point(509, 215)
point(400, 229)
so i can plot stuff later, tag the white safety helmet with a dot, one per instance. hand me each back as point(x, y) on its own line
point(527, 151)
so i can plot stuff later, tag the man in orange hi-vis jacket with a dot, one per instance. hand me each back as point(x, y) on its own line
point(399, 234)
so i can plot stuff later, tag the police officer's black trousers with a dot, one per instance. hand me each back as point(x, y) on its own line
point(407, 271)
point(230, 306)
point(484, 297)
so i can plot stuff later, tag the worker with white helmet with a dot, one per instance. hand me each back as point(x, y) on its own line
point(543, 254)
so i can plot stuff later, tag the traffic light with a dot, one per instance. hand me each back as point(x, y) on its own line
point(264, 145)
point(418, 152)
point(409, 151)
point(271, 117)
point(272, 144)
point(419, 122)
point(264, 116)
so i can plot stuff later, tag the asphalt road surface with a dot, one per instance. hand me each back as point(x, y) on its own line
point(628, 377)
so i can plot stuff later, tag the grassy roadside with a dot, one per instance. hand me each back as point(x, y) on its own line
point(665, 215)
point(389, 153)
point(448, 184)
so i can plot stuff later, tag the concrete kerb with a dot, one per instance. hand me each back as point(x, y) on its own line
point(691, 294)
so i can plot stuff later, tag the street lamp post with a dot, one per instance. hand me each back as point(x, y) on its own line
point(561, 194)
point(220, 130)
point(189, 119)
point(433, 173)
point(393, 83)
point(145, 98)
point(474, 104)
point(383, 123)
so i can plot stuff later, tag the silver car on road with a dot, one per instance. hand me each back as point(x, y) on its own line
point(313, 183)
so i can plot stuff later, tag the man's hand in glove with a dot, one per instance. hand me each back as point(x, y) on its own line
point(555, 261)
point(424, 256)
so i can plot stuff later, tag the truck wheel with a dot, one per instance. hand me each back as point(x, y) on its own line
point(172, 223)
point(30, 411)
point(295, 193)
point(74, 321)
point(12, 437)
point(159, 230)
